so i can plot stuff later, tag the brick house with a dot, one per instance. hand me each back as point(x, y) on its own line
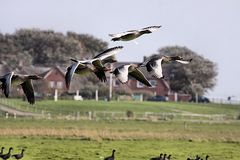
point(54, 78)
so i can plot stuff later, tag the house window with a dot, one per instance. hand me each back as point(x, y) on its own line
point(153, 83)
point(116, 83)
point(59, 84)
point(52, 84)
point(140, 85)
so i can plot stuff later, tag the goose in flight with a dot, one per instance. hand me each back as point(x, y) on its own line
point(123, 71)
point(154, 65)
point(18, 79)
point(133, 34)
point(95, 65)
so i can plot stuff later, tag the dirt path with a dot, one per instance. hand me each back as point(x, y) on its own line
point(17, 112)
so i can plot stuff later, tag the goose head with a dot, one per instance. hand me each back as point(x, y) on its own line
point(146, 32)
point(115, 71)
point(113, 152)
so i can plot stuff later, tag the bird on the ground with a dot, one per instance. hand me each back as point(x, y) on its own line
point(157, 158)
point(19, 156)
point(154, 65)
point(169, 157)
point(8, 155)
point(123, 71)
point(95, 65)
point(1, 151)
point(164, 156)
point(112, 157)
point(207, 156)
point(133, 34)
point(19, 79)
point(197, 157)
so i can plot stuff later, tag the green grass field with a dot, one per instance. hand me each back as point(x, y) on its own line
point(75, 149)
point(68, 106)
point(133, 139)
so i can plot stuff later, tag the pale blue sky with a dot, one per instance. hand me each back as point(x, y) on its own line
point(209, 27)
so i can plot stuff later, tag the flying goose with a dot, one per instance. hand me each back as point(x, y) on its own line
point(19, 156)
point(123, 71)
point(8, 155)
point(95, 65)
point(157, 158)
point(133, 34)
point(111, 157)
point(19, 79)
point(154, 65)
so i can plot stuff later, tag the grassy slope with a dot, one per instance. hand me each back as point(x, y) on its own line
point(135, 140)
point(67, 106)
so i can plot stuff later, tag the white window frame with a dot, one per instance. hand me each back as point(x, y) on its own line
point(59, 84)
point(140, 85)
point(116, 83)
point(153, 81)
point(52, 84)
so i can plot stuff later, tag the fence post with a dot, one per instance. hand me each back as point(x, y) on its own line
point(90, 115)
point(78, 115)
point(49, 115)
point(43, 113)
point(56, 95)
point(6, 115)
point(14, 115)
point(96, 95)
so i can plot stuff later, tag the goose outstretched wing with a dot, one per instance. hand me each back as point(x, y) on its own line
point(108, 56)
point(117, 35)
point(6, 83)
point(28, 91)
point(76, 67)
point(150, 28)
point(138, 75)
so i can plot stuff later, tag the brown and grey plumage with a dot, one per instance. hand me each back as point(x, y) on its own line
point(123, 71)
point(133, 34)
point(112, 157)
point(19, 156)
point(19, 79)
point(154, 65)
point(95, 65)
point(8, 155)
